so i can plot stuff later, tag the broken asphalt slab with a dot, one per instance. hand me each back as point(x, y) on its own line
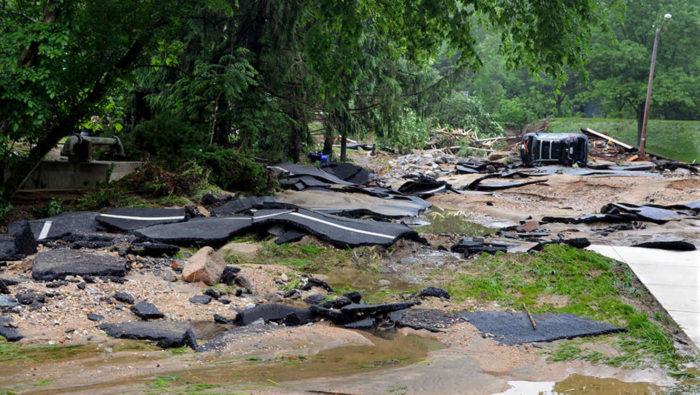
point(347, 172)
point(10, 333)
point(130, 218)
point(343, 232)
point(205, 231)
point(61, 225)
point(62, 262)
point(273, 312)
point(430, 319)
point(516, 328)
point(290, 170)
point(166, 334)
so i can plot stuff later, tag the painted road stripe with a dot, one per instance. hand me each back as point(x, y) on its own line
point(142, 218)
point(45, 230)
point(272, 215)
point(342, 227)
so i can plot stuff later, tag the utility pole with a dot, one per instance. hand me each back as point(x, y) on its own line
point(642, 143)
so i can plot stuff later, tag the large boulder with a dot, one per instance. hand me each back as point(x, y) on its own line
point(206, 266)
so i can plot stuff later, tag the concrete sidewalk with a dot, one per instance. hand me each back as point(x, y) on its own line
point(672, 277)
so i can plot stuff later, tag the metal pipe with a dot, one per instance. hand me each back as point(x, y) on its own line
point(642, 143)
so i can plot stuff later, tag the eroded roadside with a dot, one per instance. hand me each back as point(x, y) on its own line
point(654, 354)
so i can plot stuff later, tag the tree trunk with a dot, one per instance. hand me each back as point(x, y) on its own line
point(343, 148)
point(328, 141)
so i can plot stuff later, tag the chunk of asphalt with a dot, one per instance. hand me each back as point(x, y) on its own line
point(315, 299)
point(212, 293)
point(130, 218)
point(228, 276)
point(291, 170)
point(424, 187)
point(354, 296)
point(7, 331)
point(347, 172)
point(268, 312)
point(200, 299)
point(53, 228)
point(429, 319)
point(59, 263)
point(671, 245)
point(290, 236)
point(204, 231)
point(644, 213)
point(95, 317)
point(25, 243)
point(3, 287)
point(242, 205)
point(469, 246)
point(314, 282)
point(8, 250)
point(146, 311)
point(336, 303)
point(365, 324)
point(243, 282)
point(29, 297)
point(371, 309)
point(298, 318)
point(434, 292)
point(516, 328)
point(153, 249)
point(219, 319)
point(333, 315)
point(93, 245)
point(166, 334)
point(8, 302)
point(123, 297)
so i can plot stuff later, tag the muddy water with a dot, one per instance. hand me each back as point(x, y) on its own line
point(238, 373)
point(577, 384)
point(368, 283)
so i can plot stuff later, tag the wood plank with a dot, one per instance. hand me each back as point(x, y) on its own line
point(606, 137)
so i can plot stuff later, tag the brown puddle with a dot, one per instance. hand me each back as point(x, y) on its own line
point(367, 283)
point(578, 384)
point(340, 361)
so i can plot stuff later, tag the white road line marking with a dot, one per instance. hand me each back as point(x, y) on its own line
point(342, 227)
point(272, 215)
point(141, 218)
point(45, 230)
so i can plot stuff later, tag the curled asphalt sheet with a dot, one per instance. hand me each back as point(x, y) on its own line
point(213, 230)
point(337, 230)
point(354, 204)
point(291, 170)
point(479, 185)
point(671, 245)
point(238, 206)
point(516, 328)
point(429, 319)
point(424, 187)
point(347, 172)
point(478, 167)
point(130, 218)
point(622, 212)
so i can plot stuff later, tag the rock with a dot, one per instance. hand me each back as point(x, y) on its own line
point(146, 311)
point(59, 263)
point(212, 293)
point(3, 288)
point(169, 275)
point(284, 278)
point(434, 292)
point(354, 297)
point(314, 282)
point(123, 297)
point(243, 282)
point(153, 249)
point(81, 285)
point(384, 283)
point(273, 297)
point(95, 317)
point(529, 226)
point(166, 334)
point(229, 275)
point(206, 266)
point(292, 294)
point(271, 312)
point(201, 299)
point(8, 302)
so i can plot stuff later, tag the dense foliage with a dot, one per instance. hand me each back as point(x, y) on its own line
point(215, 80)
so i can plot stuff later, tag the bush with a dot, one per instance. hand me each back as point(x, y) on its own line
point(514, 112)
point(466, 112)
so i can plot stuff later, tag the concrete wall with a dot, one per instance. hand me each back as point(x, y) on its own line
point(51, 174)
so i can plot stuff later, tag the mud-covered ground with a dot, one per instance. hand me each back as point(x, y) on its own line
point(65, 352)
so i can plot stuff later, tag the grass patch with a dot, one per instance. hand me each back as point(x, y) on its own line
point(679, 140)
point(303, 257)
point(457, 222)
point(594, 287)
point(31, 354)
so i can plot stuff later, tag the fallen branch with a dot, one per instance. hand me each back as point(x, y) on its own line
point(532, 320)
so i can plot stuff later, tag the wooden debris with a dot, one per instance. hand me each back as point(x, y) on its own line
point(532, 320)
